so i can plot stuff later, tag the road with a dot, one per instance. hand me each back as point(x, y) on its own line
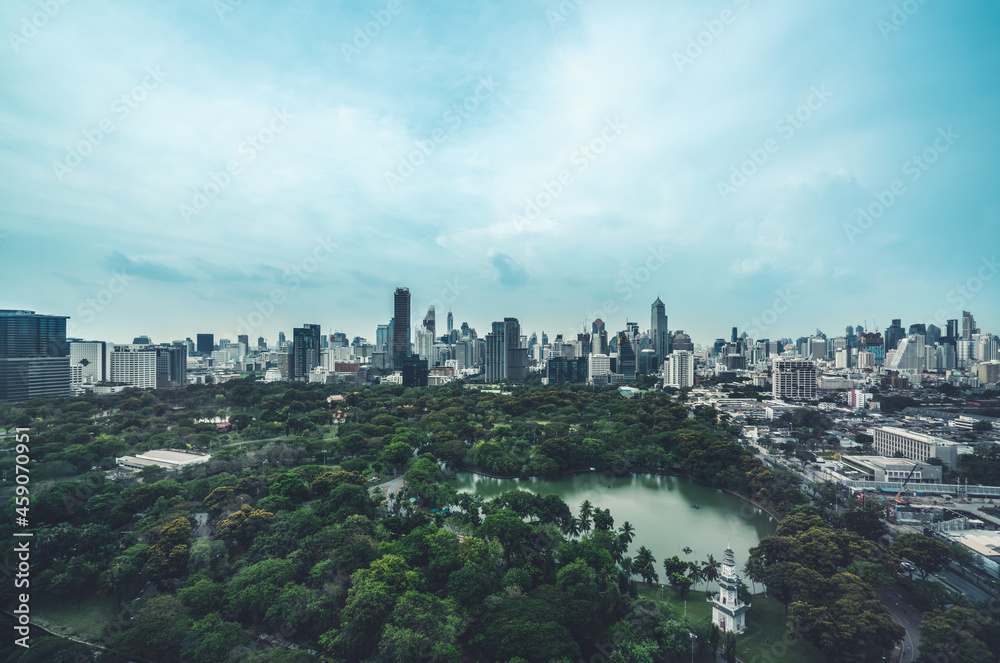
point(909, 617)
point(963, 585)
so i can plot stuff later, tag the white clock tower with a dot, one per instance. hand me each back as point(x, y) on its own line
point(728, 612)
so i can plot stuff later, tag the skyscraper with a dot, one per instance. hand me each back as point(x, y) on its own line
point(952, 331)
point(400, 327)
point(658, 331)
point(305, 351)
point(451, 323)
point(429, 321)
point(506, 360)
point(626, 357)
point(893, 335)
point(205, 344)
point(34, 356)
point(968, 326)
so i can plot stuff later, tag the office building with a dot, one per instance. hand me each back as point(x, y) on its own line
point(134, 365)
point(305, 351)
point(793, 379)
point(893, 335)
point(171, 366)
point(93, 359)
point(562, 369)
point(506, 360)
point(658, 333)
point(626, 356)
point(968, 326)
point(429, 321)
point(205, 343)
point(916, 446)
point(34, 356)
point(400, 327)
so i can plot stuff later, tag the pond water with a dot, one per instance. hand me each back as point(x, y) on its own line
point(659, 507)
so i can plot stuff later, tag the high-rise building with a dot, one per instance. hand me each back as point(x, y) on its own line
point(598, 338)
point(793, 379)
point(261, 345)
point(506, 359)
point(171, 366)
point(141, 340)
point(34, 356)
point(678, 370)
point(968, 326)
point(626, 357)
point(952, 331)
point(451, 323)
point(658, 333)
point(382, 338)
point(681, 341)
point(429, 321)
point(734, 336)
point(244, 339)
point(206, 344)
point(92, 358)
point(893, 335)
point(281, 339)
point(305, 351)
point(134, 365)
point(400, 327)
point(599, 368)
point(908, 356)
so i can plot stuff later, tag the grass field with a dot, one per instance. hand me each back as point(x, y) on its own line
point(86, 622)
point(763, 641)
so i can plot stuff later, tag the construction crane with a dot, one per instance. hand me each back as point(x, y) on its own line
point(898, 499)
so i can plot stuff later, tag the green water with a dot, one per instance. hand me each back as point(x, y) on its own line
point(658, 507)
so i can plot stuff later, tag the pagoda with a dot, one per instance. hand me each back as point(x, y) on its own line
point(728, 612)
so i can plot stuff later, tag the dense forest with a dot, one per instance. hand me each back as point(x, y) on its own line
point(304, 553)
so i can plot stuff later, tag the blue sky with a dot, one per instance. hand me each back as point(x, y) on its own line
point(172, 168)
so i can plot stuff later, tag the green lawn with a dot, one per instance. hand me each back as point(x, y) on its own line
point(763, 640)
point(65, 618)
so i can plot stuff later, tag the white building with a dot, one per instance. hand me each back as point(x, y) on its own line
point(92, 358)
point(917, 446)
point(909, 355)
point(793, 379)
point(728, 612)
point(678, 369)
point(599, 366)
point(135, 365)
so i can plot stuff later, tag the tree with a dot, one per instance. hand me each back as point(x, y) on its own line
point(156, 630)
point(958, 635)
point(710, 569)
point(927, 554)
point(729, 647)
point(645, 565)
point(982, 426)
point(672, 565)
point(681, 582)
point(215, 638)
point(627, 532)
point(695, 573)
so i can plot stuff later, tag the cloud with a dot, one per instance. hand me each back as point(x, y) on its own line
point(147, 269)
point(510, 272)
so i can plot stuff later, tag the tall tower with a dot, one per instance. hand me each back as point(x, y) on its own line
point(400, 327)
point(429, 320)
point(451, 323)
point(658, 331)
point(728, 612)
point(968, 326)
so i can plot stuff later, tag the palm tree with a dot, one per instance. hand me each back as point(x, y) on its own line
point(626, 565)
point(645, 565)
point(584, 521)
point(572, 527)
point(753, 571)
point(627, 532)
point(694, 572)
point(710, 569)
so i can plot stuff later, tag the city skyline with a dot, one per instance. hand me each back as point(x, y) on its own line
point(813, 166)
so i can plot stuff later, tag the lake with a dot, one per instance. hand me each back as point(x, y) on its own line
point(659, 507)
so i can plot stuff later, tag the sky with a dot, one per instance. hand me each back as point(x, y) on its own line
point(240, 166)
